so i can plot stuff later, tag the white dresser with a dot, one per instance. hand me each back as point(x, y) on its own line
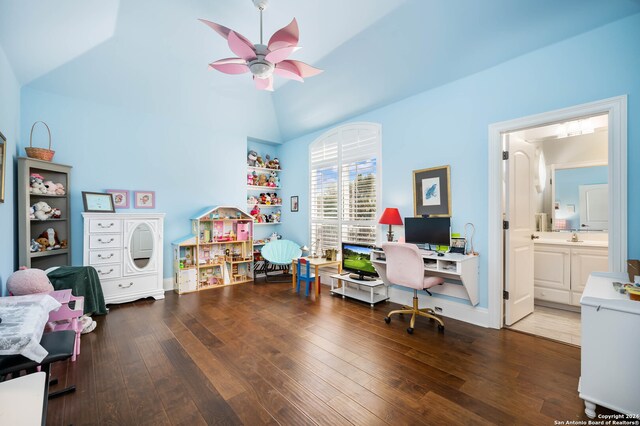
point(610, 347)
point(126, 251)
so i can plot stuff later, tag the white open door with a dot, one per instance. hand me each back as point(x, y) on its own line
point(520, 210)
point(594, 206)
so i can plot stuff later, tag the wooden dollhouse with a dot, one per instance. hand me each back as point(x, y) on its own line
point(219, 251)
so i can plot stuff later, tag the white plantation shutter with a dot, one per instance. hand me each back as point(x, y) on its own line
point(345, 185)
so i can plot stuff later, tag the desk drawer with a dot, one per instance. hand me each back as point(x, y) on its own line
point(123, 286)
point(105, 225)
point(100, 257)
point(102, 241)
point(109, 271)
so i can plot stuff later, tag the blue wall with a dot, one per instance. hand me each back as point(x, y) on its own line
point(10, 128)
point(191, 161)
point(449, 125)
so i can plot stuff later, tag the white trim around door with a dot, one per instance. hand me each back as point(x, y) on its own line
point(616, 108)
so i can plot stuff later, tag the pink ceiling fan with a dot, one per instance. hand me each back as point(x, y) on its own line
point(263, 60)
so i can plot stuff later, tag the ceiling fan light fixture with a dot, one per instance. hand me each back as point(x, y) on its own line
point(261, 68)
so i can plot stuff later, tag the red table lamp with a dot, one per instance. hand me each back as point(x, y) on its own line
point(391, 216)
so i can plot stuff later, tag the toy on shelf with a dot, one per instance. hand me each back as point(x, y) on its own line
point(41, 210)
point(36, 184)
point(54, 188)
point(259, 162)
point(252, 156)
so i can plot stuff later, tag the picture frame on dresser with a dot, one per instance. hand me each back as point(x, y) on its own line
point(98, 202)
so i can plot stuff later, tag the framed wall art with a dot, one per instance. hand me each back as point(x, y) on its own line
point(294, 203)
point(97, 202)
point(120, 198)
point(144, 199)
point(432, 192)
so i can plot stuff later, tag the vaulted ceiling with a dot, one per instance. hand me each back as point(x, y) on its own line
point(373, 51)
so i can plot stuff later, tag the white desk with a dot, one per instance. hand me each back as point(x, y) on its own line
point(354, 289)
point(458, 267)
point(610, 346)
point(22, 400)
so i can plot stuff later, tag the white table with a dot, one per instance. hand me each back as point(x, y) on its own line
point(22, 326)
point(610, 347)
point(22, 400)
point(365, 291)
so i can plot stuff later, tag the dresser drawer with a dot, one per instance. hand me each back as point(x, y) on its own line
point(122, 286)
point(109, 271)
point(100, 257)
point(552, 295)
point(105, 225)
point(101, 241)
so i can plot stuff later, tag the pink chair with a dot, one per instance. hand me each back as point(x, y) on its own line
point(406, 268)
point(67, 318)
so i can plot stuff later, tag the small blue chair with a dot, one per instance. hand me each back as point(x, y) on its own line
point(308, 277)
point(278, 255)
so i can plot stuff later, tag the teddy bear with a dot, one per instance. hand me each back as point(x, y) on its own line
point(252, 156)
point(28, 281)
point(36, 184)
point(262, 180)
point(43, 243)
point(52, 239)
point(42, 210)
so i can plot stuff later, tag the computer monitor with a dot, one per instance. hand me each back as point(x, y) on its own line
point(356, 258)
point(428, 230)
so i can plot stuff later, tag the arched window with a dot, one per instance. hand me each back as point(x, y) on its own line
point(345, 185)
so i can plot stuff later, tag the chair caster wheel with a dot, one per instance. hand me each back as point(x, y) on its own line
point(387, 320)
point(440, 327)
point(410, 330)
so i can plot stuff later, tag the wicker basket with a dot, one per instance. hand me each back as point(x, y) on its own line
point(39, 153)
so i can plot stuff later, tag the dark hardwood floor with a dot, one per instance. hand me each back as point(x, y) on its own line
point(262, 354)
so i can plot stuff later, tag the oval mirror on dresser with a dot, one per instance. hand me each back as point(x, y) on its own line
point(130, 265)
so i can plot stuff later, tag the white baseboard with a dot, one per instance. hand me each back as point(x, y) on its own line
point(446, 308)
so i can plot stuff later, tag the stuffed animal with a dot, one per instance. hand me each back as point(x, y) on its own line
point(262, 180)
point(255, 211)
point(54, 188)
point(271, 183)
point(32, 212)
point(270, 164)
point(56, 213)
point(52, 239)
point(276, 216)
point(43, 243)
point(249, 178)
point(263, 198)
point(35, 246)
point(252, 156)
point(267, 199)
point(276, 163)
point(42, 210)
point(28, 281)
point(252, 200)
point(259, 162)
point(36, 184)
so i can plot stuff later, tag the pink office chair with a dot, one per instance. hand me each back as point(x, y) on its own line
point(406, 268)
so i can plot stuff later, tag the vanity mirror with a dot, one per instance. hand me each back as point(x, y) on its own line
point(141, 246)
point(580, 197)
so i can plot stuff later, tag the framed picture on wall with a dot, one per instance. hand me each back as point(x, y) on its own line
point(120, 198)
point(144, 199)
point(3, 166)
point(432, 192)
point(97, 202)
point(294, 203)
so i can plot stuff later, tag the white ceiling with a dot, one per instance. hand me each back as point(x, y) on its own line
point(373, 51)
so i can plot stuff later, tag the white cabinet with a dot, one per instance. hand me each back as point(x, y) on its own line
point(126, 251)
point(561, 271)
point(610, 347)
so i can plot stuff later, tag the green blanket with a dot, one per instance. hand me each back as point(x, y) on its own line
point(83, 281)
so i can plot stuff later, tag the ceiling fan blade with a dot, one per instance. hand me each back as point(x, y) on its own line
point(288, 70)
point(306, 70)
point(281, 54)
point(224, 31)
point(230, 66)
point(285, 37)
point(264, 83)
point(241, 47)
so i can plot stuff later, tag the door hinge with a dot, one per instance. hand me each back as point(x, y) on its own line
point(505, 295)
point(505, 155)
point(505, 224)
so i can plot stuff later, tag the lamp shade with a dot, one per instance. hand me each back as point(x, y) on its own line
point(391, 216)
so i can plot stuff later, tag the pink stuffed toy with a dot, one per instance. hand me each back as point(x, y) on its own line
point(28, 281)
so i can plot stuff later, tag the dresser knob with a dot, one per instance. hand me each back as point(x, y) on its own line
point(107, 226)
point(106, 242)
point(105, 257)
point(125, 286)
point(105, 273)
